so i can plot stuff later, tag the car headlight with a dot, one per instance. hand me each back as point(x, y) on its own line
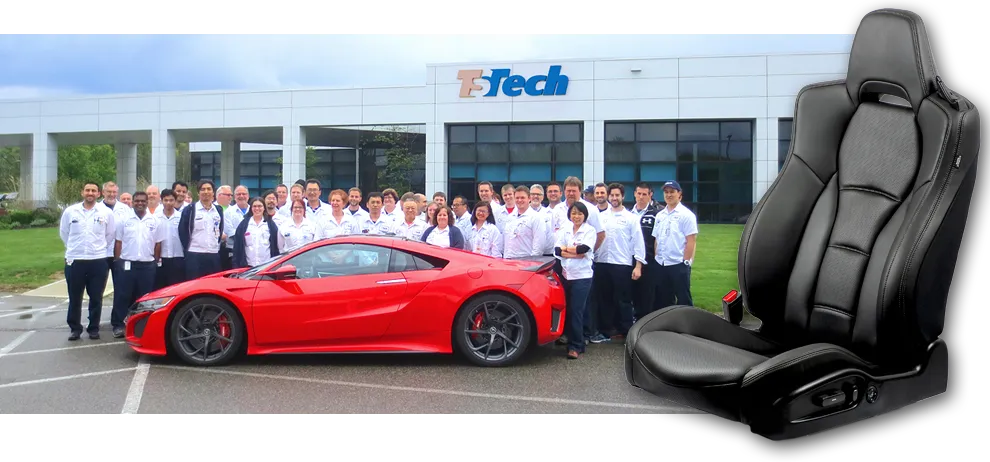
point(153, 304)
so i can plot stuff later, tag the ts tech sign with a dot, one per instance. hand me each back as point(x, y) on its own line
point(553, 83)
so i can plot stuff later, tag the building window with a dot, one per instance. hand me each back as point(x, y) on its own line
point(334, 168)
point(711, 160)
point(520, 154)
point(204, 166)
point(260, 171)
point(784, 129)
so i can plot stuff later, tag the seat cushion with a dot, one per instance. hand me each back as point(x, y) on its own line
point(686, 360)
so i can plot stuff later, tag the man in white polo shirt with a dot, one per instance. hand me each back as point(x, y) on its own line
point(525, 229)
point(137, 254)
point(676, 232)
point(619, 262)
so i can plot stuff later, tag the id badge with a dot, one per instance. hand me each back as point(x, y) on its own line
point(127, 265)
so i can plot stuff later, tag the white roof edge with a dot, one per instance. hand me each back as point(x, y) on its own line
point(81, 96)
point(643, 58)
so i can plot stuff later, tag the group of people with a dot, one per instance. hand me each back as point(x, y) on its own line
point(616, 264)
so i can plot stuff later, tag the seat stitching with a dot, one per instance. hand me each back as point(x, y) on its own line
point(789, 363)
point(835, 309)
point(650, 371)
point(870, 190)
point(840, 246)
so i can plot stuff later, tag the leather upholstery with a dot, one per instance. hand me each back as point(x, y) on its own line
point(848, 257)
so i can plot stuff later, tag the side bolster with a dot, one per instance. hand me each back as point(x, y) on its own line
point(770, 240)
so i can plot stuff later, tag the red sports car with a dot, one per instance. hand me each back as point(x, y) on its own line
point(354, 294)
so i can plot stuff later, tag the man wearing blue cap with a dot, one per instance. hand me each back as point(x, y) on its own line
point(675, 230)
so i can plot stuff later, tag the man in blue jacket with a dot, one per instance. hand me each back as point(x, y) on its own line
point(201, 232)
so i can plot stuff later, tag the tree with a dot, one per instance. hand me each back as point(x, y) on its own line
point(396, 144)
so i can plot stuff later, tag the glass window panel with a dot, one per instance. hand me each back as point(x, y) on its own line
point(620, 152)
point(493, 172)
point(737, 150)
point(344, 155)
point(269, 182)
point(567, 133)
point(461, 171)
point(737, 131)
point(562, 171)
point(657, 173)
point(527, 133)
point(736, 192)
point(461, 153)
point(689, 190)
point(531, 152)
point(782, 148)
point(530, 173)
point(493, 133)
point(697, 152)
point(734, 213)
point(461, 134)
point(270, 156)
point(708, 192)
point(737, 171)
point(462, 188)
point(569, 152)
point(697, 131)
point(620, 132)
point(342, 181)
point(249, 181)
point(707, 213)
point(784, 129)
point(250, 169)
point(491, 153)
point(270, 169)
point(657, 152)
point(620, 173)
point(249, 156)
point(630, 195)
point(206, 170)
point(656, 132)
point(687, 172)
point(708, 172)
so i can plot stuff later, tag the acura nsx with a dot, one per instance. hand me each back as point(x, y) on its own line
point(357, 294)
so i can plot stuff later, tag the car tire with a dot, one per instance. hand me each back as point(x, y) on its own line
point(207, 331)
point(498, 339)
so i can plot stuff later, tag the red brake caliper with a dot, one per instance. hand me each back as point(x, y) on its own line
point(477, 325)
point(223, 328)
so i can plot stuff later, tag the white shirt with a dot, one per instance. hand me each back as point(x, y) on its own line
point(120, 211)
point(562, 217)
point(577, 268)
point(623, 239)
point(525, 235)
point(87, 234)
point(486, 241)
point(359, 215)
point(396, 215)
point(296, 236)
point(206, 229)
point(320, 209)
point(671, 230)
point(412, 231)
point(138, 236)
point(232, 217)
point(384, 225)
point(463, 223)
point(438, 237)
point(547, 214)
point(171, 246)
point(503, 217)
point(331, 227)
point(257, 242)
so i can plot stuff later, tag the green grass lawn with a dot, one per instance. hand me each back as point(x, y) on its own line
point(30, 258)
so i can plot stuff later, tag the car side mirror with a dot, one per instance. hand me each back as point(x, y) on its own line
point(282, 273)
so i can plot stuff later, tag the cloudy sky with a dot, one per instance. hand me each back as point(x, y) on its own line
point(42, 65)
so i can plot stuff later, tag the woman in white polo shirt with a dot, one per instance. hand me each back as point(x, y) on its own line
point(575, 248)
point(298, 230)
point(442, 234)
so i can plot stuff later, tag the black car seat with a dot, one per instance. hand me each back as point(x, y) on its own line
point(846, 260)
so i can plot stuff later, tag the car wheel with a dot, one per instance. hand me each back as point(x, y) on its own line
point(492, 330)
point(207, 332)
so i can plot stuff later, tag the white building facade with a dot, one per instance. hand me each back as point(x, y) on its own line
point(717, 125)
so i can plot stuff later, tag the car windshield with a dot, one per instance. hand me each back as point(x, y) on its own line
point(258, 268)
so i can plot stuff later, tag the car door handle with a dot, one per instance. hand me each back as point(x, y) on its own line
point(392, 281)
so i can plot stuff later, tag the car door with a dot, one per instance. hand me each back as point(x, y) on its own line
point(342, 294)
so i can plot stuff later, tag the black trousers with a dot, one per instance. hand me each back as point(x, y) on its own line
point(202, 264)
point(673, 284)
point(172, 271)
point(89, 276)
point(645, 290)
point(133, 284)
point(615, 309)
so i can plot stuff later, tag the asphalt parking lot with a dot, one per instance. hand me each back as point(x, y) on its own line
point(41, 371)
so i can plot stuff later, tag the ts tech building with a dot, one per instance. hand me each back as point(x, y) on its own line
point(720, 126)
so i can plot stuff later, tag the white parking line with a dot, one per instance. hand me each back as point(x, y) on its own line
point(17, 341)
point(34, 310)
point(425, 390)
point(67, 377)
point(133, 401)
point(31, 352)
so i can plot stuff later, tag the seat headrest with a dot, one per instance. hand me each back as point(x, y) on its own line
point(891, 55)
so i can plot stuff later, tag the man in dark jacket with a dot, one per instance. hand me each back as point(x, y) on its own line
point(644, 289)
point(201, 231)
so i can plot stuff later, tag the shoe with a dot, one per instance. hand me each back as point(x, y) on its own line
point(118, 332)
point(94, 335)
point(75, 336)
point(562, 340)
point(599, 338)
point(572, 354)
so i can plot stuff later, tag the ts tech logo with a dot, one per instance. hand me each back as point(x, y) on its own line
point(553, 83)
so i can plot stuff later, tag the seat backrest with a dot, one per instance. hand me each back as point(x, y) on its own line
point(855, 242)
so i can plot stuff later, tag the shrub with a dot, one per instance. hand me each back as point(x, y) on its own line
point(50, 215)
point(38, 223)
point(22, 217)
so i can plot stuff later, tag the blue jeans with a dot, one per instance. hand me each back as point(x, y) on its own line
point(576, 292)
